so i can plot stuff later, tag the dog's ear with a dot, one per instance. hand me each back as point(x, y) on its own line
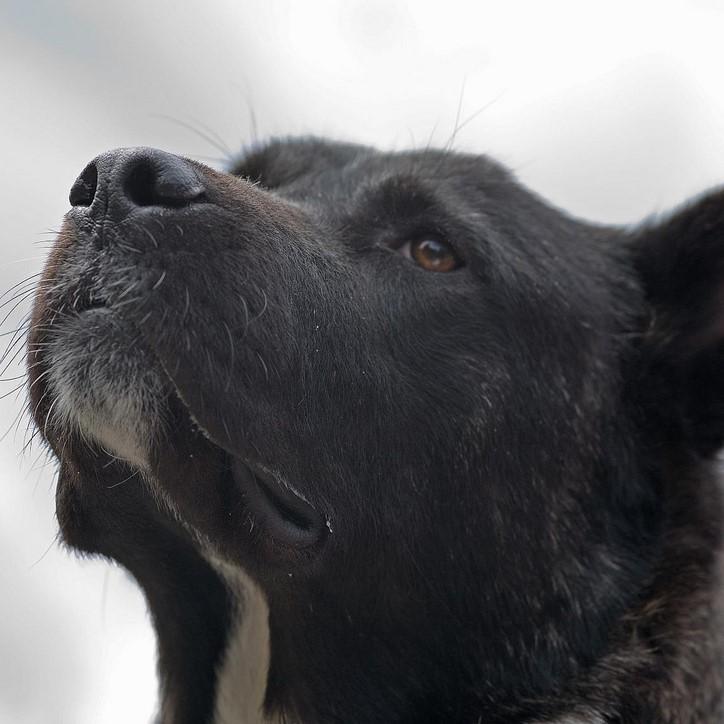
point(681, 264)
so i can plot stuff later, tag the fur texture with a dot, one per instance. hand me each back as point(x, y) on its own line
point(357, 490)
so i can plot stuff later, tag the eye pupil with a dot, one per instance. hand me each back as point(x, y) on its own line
point(434, 255)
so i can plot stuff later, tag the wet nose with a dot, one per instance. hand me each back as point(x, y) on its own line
point(127, 178)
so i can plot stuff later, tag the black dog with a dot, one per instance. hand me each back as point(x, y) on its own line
point(385, 438)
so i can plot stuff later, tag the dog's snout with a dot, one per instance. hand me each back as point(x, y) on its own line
point(126, 179)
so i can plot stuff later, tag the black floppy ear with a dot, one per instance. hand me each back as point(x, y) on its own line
point(681, 264)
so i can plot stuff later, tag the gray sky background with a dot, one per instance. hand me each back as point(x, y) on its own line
point(613, 113)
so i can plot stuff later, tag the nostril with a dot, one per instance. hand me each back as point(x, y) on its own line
point(162, 180)
point(140, 186)
point(128, 178)
point(83, 191)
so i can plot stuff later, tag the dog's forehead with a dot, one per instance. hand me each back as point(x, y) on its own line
point(359, 194)
point(308, 167)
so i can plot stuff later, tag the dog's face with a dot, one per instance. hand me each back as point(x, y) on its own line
point(415, 404)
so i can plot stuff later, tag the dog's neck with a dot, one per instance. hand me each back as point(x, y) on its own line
point(242, 676)
point(664, 663)
point(666, 655)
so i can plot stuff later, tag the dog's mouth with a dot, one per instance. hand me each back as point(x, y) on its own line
point(255, 498)
point(283, 511)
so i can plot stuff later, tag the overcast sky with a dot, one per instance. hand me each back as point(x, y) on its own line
point(612, 114)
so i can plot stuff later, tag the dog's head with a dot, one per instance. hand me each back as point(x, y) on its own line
point(429, 415)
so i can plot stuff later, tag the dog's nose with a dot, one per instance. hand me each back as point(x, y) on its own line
point(125, 179)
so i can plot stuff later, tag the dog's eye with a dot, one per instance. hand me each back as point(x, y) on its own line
point(431, 254)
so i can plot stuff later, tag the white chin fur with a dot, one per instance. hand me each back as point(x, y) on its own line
point(106, 385)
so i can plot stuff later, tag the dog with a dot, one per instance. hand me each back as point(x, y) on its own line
point(385, 437)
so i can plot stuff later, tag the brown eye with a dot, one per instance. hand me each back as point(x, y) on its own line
point(431, 254)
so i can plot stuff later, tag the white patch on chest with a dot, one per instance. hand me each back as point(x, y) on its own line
point(242, 675)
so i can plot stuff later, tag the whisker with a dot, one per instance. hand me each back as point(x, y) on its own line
point(122, 482)
point(208, 136)
point(22, 281)
point(453, 136)
point(55, 540)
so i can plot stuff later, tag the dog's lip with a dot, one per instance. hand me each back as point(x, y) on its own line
point(284, 512)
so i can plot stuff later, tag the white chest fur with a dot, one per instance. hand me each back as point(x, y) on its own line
point(242, 675)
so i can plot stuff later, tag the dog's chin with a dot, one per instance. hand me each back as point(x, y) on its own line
point(110, 391)
point(106, 386)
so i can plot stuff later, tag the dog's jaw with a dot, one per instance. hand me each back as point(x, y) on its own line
point(106, 385)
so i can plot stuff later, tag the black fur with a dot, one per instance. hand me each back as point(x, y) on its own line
point(514, 461)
